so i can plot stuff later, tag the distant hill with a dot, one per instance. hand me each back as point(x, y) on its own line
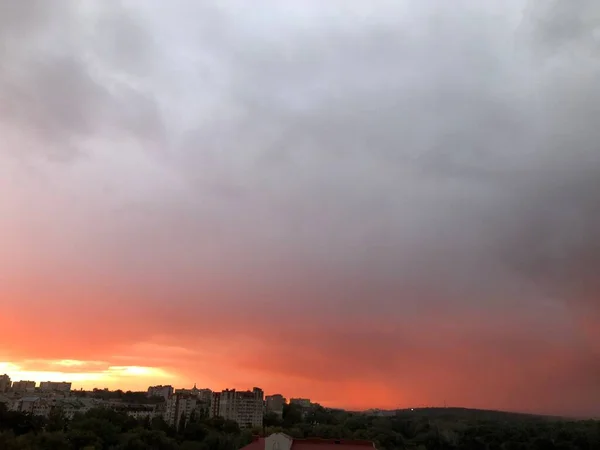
point(458, 414)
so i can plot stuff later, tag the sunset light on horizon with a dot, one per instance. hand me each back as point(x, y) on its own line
point(381, 204)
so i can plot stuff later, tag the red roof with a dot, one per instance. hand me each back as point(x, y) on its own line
point(322, 444)
point(316, 444)
point(256, 444)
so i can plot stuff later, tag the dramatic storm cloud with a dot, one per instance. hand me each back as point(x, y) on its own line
point(384, 203)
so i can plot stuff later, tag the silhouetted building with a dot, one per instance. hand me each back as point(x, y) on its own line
point(23, 386)
point(215, 404)
point(274, 403)
point(59, 386)
point(5, 383)
point(180, 406)
point(243, 407)
point(160, 391)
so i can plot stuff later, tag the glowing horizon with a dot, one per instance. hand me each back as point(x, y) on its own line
point(111, 376)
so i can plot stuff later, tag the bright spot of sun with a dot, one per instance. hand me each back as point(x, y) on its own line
point(134, 371)
point(91, 375)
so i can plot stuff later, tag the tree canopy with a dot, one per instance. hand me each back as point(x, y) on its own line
point(424, 429)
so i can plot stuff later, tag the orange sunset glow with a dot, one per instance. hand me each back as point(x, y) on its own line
point(365, 206)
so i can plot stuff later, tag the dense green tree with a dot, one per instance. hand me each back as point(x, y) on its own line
point(182, 424)
point(431, 429)
point(231, 427)
point(57, 421)
point(272, 419)
point(195, 431)
point(53, 441)
point(292, 415)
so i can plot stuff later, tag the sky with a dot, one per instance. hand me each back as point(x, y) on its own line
point(369, 204)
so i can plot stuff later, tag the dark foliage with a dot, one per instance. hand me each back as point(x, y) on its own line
point(106, 429)
point(424, 429)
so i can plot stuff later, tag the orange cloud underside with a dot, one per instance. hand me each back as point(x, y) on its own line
point(349, 363)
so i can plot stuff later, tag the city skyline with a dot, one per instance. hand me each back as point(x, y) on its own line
point(369, 204)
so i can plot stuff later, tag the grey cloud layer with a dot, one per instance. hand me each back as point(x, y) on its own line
point(62, 76)
point(419, 147)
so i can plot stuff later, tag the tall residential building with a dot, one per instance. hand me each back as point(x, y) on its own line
point(59, 386)
point(180, 405)
point(205, 399)
point(5, 383)
point(205, 395)
point(274, 403)
point(160, 391)
point(23, 386)
point(243, 407)
point(215, 404)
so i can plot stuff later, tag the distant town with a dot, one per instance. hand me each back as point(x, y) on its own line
point(52, 415)
point(246, 407)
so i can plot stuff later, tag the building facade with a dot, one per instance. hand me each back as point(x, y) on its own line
point(243, 407)
point(160, 391)
point(215, 404)
point(180, 405)
point(58, 386)
point(274, 403)
point(5, 383)
point(28, 404)
point(23, 386)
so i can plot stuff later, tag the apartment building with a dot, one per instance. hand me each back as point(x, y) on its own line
point(27, 405)
point(58, 386)
point(23, 386)
point(215, 404)
point(274, 403)
point(5, 383)
point(205, 395)
point(180, 405)
point(160, 391)
point(243, 407)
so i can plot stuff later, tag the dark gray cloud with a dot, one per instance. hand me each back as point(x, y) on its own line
point(68, 75)
point(385, 154)
point(437, 121)
point(441, 151)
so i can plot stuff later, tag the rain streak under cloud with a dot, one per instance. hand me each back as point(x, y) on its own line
point(371, 204)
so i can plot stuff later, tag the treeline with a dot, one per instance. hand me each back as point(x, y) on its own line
point(431, 429)
point(100, 429)
point(441, 429)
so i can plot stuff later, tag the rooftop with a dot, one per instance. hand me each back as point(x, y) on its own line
point(317, 444)
point(339, 444)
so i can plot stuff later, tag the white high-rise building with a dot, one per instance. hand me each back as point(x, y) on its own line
point(180, 405)
point(243, 407)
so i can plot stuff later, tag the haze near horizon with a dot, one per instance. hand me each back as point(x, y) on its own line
point(369, 204)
